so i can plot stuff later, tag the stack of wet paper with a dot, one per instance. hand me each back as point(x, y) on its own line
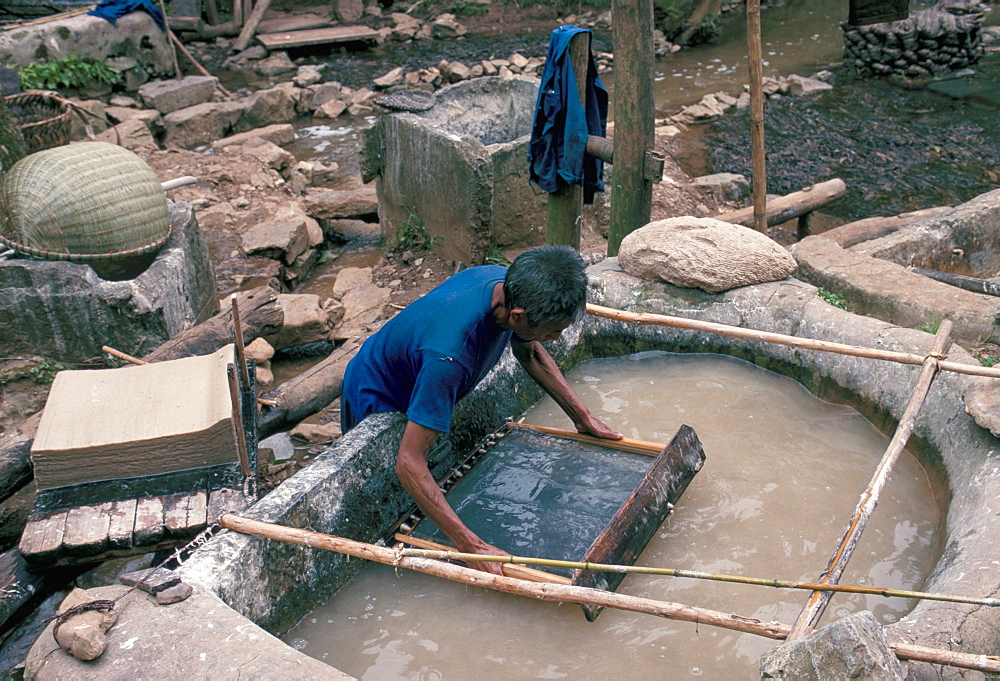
point(136, 421)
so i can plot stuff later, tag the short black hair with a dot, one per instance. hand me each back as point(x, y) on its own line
point(549, 283)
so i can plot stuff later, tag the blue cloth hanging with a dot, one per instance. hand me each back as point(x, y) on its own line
point(112, 9)
point(557, 149)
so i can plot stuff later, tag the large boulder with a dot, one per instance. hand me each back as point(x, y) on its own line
point(704, 253)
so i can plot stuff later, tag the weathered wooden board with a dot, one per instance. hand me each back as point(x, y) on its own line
point(87, 530)
point(184, 514)
point(625, 537)
point(225, 501)
point(42, 538)
point(293, 22)
point(318, 36)
point(122, 524)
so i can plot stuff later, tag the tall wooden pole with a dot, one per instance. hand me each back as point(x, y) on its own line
point(818, 600)
point(565, 206)
point(757, 162)
point(631, 188)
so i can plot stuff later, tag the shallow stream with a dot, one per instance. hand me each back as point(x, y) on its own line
point(783, 475)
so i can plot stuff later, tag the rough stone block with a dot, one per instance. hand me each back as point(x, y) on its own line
point(167, 96)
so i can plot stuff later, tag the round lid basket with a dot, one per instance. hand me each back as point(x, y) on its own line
point(86, 202)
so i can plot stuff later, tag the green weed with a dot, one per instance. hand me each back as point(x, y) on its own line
point(931, 326)
point(44, 373)
point(835, 299)
point(71, 71)
point(412, 235)
point(495, 256)
point(464, 8)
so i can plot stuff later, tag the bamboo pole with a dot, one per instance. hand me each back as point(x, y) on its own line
point(561, 593)
point(645, 318)
point(424, 549)
point(241, 355)
point(509, 569)
point(241, 441)
point(818, 600)
point(757, 161)
point(173, 49)
point(624, 445)
point(196, 64)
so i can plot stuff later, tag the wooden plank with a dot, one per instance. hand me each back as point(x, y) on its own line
point(293, 22)
point(635, 523)
point(791, 206)
point(122, 524)
point(184, 514)
point(317, 36)
point(42, 538)
point(87, 530)
point(224, 501)
point(148, 521)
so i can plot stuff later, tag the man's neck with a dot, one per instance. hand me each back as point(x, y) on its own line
point(500, 312)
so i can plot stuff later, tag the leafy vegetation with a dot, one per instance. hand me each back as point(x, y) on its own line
point(72, 71)
point(989, 360)
point(931, 326)
point(412, 235)
point(495, 256)
point(464, 8)
point(42, 374)
point(835, 299)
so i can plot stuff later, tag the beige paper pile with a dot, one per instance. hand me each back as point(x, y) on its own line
point(136, 421)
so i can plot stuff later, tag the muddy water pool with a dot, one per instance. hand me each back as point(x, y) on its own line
point(782, 478)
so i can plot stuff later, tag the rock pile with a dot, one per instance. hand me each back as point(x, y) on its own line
point(930, 42)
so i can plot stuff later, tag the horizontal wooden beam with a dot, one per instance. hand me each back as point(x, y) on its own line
point(796, 204)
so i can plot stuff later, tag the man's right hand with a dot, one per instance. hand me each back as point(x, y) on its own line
point(487, 550)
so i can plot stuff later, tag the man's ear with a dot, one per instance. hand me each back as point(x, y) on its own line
point(517, 314)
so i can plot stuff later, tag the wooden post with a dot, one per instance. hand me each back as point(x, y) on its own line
point(241, 442)
point(250, 27)
point(565, 206)
point(818, 600)
point(757, 162)
point(631, 189)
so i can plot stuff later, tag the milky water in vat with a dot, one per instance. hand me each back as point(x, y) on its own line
point(782, 478)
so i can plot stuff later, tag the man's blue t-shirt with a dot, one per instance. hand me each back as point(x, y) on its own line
point(431, 354)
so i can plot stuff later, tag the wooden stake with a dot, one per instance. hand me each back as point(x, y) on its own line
point(624, 445)
point(173, 49)
point(565, 206)
point(241, 355)
point(811, 613)
point(757, 161)
point(782, 339)
point(121, 355)
point(250, 27)
point(241, 440)
point(561, 593)
point(198, 66)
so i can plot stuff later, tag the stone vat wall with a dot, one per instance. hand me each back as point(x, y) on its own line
point(930, 42)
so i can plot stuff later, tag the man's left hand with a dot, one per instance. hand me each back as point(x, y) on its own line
point(597, 428)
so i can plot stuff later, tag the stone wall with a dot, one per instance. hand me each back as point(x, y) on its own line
point(931, 42)
point(65, 312)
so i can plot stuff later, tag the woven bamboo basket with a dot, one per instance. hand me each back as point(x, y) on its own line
point(87, 202)
point(43, 118)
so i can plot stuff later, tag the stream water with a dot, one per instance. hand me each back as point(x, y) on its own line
point(783, 474)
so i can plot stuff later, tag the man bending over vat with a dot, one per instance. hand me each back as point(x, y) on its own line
point(434, 352)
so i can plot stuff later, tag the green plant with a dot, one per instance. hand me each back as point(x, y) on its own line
point(71, 71)
point(44, 373)
point(985, 360)
point(835, 299)
point(931, 326)
point(495, 256)
point(412, 235)
point(464, 8)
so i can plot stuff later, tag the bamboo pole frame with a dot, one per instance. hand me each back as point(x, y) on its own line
point(561, 593)
point(806, 622)
point(624, 445)
point(644, 318)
